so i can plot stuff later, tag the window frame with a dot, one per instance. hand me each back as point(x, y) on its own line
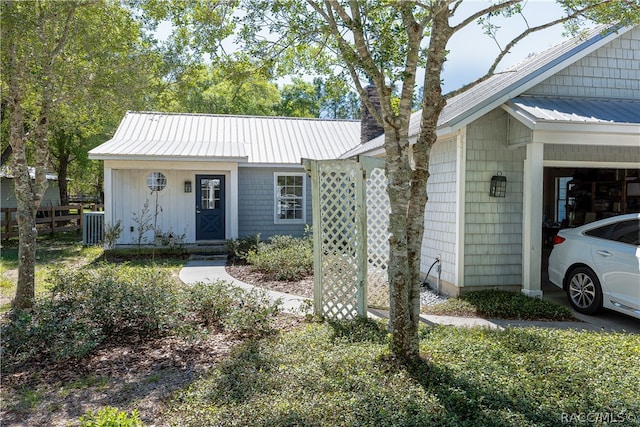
point(277, 197)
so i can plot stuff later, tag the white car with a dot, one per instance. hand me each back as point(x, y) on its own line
point(598, 265)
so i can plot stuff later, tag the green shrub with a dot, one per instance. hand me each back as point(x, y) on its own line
point(211, 302)
point(120, 298)
point(238, 250)
point(111, 417)
point(86, 307)
point(253, 314)
point(232, 309)
point(283, 258)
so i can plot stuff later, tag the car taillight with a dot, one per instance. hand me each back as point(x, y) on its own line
point(557, 240)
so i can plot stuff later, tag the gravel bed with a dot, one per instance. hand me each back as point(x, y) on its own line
point(429, 297)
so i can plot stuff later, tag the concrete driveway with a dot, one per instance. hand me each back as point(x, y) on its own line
point(607, 320)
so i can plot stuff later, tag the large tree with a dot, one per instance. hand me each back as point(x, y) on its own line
point(106, 73)
point(34, 34)
point(50, 51)
point(385, 43)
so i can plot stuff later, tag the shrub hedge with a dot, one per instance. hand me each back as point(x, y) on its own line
point(86, 307)
point(283, 257)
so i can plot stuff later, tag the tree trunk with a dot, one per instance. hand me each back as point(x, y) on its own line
point(27, 205)
point(408, 196)
point(63, 188)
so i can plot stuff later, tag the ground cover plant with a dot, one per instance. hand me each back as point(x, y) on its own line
point(498, 304)
point(341, 374)
point(283, 257)
point(210, 354)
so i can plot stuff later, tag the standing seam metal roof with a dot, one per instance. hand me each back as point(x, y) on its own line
point(510, 82)
point(578, 110)
point(264, 140)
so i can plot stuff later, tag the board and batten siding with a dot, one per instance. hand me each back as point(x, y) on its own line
point(439, 240)
point(609, 72)
point(492, 225)
point(176, 213)
point(256, 203)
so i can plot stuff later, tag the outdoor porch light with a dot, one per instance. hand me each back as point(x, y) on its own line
point(187, 186)
point(498, 185)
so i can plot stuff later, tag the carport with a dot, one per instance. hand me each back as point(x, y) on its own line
point(580, 153)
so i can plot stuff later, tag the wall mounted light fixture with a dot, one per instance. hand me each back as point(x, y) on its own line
point(498, 185)
point(187, 186)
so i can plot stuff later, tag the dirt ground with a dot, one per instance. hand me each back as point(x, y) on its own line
point(125, 375)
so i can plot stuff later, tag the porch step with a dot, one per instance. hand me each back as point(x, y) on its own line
point(215, 248)
point(202, 256)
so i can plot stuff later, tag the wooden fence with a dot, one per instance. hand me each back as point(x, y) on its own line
point(51, 219)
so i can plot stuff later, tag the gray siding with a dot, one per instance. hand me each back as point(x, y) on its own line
point(440, 216)
point(256, 203)
point(579, 153)
point(493, 226)
point(610, 72)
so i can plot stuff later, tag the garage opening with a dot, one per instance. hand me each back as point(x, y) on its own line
point(576, 196)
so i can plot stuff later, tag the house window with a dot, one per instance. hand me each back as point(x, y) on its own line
point(290, 195)
point(562, 199)
point(156, 181)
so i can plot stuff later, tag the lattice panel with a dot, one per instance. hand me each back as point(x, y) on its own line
point(338, 227)
point(378, 209)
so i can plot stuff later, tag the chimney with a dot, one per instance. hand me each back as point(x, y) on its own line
point(369, 127)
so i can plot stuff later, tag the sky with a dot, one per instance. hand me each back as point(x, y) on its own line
point(472, 52)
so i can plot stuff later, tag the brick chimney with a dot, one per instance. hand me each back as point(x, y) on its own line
point(369, 127)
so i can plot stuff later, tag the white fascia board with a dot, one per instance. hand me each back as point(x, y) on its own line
point(271, 165)
point(522, 116)
point(162, 165)
point(517, 89)
point(589, 164)
point(95, 156)
point(615, 135)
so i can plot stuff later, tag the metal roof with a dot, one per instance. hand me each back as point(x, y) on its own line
point(6, 172)
point(539, 109)
point(251, 139)
point(503, 86)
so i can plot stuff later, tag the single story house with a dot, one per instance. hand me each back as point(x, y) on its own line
point(215, 177)
point(561, 129)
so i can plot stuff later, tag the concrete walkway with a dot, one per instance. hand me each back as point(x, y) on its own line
point(212, 270)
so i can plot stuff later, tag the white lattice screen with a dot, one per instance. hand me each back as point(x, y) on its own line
point(350, 218)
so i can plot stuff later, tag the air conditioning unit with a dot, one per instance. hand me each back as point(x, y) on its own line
point(92, 228)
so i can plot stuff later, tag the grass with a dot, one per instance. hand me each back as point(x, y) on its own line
point(501, 305)
point(342, 375)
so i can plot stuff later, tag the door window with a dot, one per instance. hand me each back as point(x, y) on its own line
point(210, 193)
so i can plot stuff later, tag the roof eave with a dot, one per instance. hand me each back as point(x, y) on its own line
point(129, 157)
point(520, 86)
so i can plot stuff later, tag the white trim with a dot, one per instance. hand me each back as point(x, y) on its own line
point(589, 134)
point(461, 172)
point(142, 157)
point(277, 220)
point(156, 165)
point(532, 219)
point(589, 164)
point(272, 165)
point(108, 197)
point(231, 202)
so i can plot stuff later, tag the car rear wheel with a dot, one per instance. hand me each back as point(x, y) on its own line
point(584, 291)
